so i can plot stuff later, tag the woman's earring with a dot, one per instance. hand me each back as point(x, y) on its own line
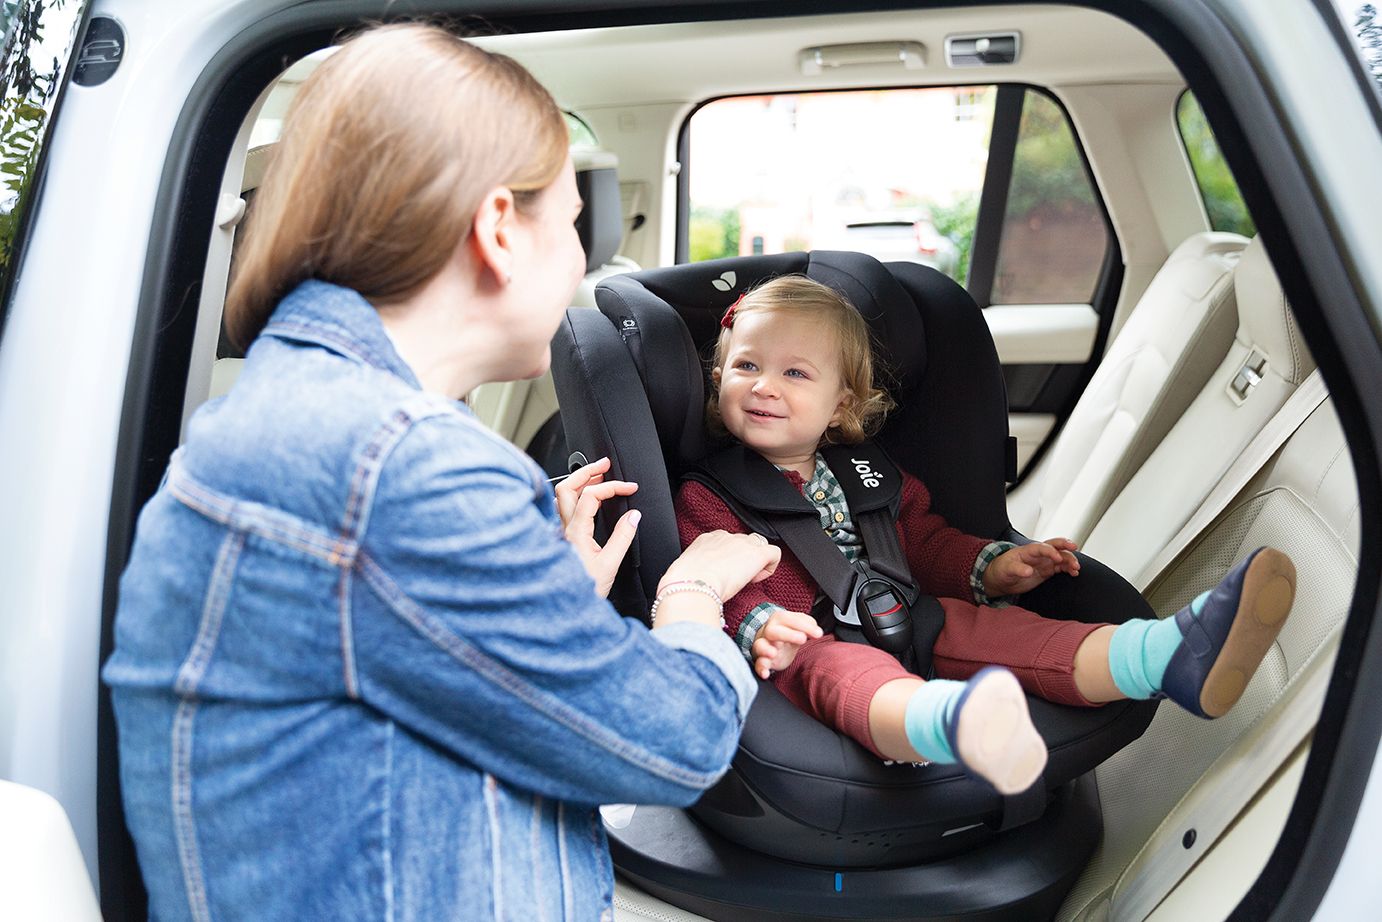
point(508, 279)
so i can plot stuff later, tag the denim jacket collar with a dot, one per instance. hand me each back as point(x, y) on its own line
point(339, 319)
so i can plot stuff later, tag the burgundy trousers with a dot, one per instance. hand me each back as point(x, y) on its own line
point(835, 681)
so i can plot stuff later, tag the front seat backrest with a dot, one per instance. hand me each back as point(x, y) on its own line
point(1182, 328)
point(1265, 365)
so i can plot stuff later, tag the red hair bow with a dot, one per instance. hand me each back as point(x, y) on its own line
point(727, 321)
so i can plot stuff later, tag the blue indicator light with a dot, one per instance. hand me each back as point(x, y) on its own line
point(839, 882)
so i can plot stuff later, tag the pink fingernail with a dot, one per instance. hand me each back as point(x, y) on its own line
point(634, 518)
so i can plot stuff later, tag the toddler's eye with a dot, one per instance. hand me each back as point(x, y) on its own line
point(745, 365)
point(797, 373)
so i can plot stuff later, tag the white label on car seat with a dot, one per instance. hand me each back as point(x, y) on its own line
point(868, 475)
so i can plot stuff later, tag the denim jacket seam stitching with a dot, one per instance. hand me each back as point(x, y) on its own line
point(491, 785)
point(363, 484)
point(219, 508)
point(564, 866)
point(534, 851)
point(349, 670)
point(386, 818)
point(496, 673)
point(185, 685)
point(364, 481)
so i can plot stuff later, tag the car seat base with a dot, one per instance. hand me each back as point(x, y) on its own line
point(1024, 873)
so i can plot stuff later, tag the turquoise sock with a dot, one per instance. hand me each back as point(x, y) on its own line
point(1140, 651)
point(929, 712)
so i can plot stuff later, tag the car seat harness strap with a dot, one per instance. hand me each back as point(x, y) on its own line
point(877, 601)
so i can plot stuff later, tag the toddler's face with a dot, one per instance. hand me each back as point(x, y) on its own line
point(780, 386)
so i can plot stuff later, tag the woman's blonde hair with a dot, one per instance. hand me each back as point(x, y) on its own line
point(865, 405)
point(386, 153)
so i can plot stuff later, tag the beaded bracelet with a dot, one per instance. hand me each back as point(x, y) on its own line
point(686, 585)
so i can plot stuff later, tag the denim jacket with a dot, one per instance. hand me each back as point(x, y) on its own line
point(359, 674)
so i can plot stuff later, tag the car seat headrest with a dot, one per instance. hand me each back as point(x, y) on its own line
point(701, 292)
point(601, 221)
point(1264, 316)
point(673, 347)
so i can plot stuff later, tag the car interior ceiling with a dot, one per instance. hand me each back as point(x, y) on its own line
point(1155, 46)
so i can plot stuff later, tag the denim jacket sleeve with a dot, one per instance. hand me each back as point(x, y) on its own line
point(474, 625)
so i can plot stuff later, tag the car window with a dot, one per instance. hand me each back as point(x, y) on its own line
point(895, 173)
point(1223, 203)
point(1054, 236)
point(1364, 22)
point(582, 136)
point(38, 44)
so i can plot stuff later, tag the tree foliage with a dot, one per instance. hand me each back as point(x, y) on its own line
point(1222, 200)
point(714, 233)
point(1369, 32)
point(27, 86)
point(1047, 169)
point(957, 221)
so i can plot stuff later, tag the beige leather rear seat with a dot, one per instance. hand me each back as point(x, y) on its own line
point(1174, 340)
point(1171, 796)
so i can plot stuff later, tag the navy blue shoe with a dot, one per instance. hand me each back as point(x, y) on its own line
point(991, 734)
point(1226, 632)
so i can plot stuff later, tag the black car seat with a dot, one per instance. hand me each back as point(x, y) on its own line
point(632, 382)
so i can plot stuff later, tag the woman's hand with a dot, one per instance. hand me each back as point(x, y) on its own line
point(1027, 566)
point(777, 641)
point(578, 499)
point(728, 562)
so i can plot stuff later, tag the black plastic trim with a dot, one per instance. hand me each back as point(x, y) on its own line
point(993, 200)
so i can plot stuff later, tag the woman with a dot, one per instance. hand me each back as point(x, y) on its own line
point(360, 672)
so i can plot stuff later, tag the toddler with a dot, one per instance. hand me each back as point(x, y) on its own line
point(793, 371)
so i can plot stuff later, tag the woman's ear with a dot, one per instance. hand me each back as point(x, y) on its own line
point(491, 235)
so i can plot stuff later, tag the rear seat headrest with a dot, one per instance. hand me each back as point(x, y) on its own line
point(1264, 316)
point(601, 221)
point(256, 162)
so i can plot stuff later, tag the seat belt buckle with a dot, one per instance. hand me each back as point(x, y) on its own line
point(882, 613)
point(1251, 372)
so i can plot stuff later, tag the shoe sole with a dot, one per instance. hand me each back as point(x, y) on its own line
point(995, 736)
point(1269, 588)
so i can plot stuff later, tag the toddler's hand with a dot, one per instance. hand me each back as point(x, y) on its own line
point(778, 641)
point(1027, 566)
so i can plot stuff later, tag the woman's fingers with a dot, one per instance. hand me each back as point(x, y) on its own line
point(582, 482)
point(608, 558)
point(568, 491)
point(580, 523)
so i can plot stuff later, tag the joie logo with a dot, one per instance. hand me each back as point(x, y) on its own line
point(868, 475)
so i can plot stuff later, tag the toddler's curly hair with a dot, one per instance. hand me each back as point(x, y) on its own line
point(865, 405)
